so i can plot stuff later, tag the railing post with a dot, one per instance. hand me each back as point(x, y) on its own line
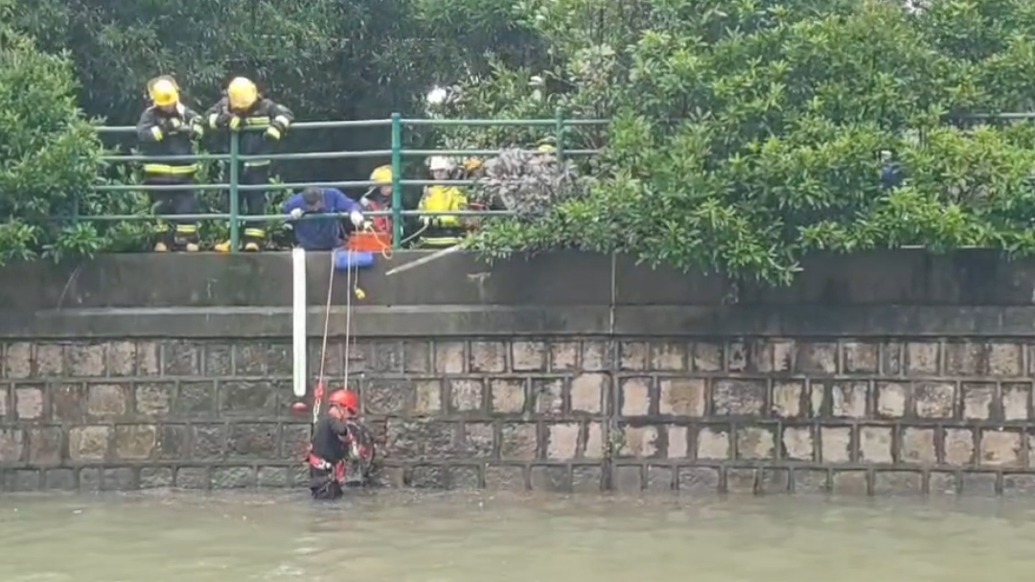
point(235, 202)
point(559, 130)
point(397, 199)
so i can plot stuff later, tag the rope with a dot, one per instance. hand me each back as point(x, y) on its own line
point(348, 319)
point(318, 394)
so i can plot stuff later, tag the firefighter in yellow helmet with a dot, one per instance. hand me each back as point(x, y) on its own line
point(379, 198)
point(243, 108)
point(441, 230)
point(168, 128)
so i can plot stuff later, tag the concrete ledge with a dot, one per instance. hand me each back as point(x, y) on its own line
point(966, 278)
point(464, 320)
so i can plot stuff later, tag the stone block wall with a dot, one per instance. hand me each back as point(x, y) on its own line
point(558, 412)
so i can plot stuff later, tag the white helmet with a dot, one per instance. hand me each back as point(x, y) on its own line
point(436, 163)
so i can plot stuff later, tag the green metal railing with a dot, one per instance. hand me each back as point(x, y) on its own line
point(397, 153)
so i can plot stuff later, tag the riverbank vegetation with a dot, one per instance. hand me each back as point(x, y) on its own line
point(745, 134)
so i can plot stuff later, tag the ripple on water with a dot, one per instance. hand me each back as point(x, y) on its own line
point(461, 537)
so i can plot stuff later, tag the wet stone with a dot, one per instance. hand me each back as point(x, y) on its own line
point(208, 441)
point(941, 483)
point(891, 399)
point(934, 399)
point(587, 392)
point(775, 481)
point(464, 477)
point(628, 478)
point(419, 439)
point(233, 477)
point(528, 356)
point(67, 403)
point(21, 480)
point(17, 362)
point(450, 357)
point(173, 442)
point(850, 483)
point(106, 400)
point(564, 357)
point(548, 394)
point(922, 358)
point(192, 478)
point(28, 403)
point(196, 400)
point(12, 445)
point(253, 441)
point(135, 442)
point(386, 397)
point(294, 440)
point(156, 477)
point(810, 481)
point(633, 355)
point(477, 440)
point(505, 478)
point(59, 480)
point(465, 395)
point(248, 399)
point(816, 358)
point(518, 441)
point(555, 478)
point(219, 360)
point(741, 480)
point(386, 357)
point(416, 357)
point(587, 479)
point(738, 397)
point(427, 397)
point(706, 357)
point(848, 399)
point(88, 443)
point(155, 399)
point(86, 360)
point(488, 357)
point(786, 398)
point(978, 400)
point(273, 477)
point(860, 357)
point(118, 479)
point(426, 477)
point(89, 479)
point(698, 480)
point(659, 478)
point(1019, 485)
point(180, 359)
point(635, 393)
point(682, 397)
point(46, 446)
point(596, 356)
point(897, 483)
point(978, 484)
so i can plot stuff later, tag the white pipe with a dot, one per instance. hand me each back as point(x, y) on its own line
point(298, 315)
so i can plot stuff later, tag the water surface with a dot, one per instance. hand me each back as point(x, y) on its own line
point(466, 537)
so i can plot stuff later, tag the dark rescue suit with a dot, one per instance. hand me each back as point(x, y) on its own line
point(171, 133)
point(262, 115)
point(328, 450)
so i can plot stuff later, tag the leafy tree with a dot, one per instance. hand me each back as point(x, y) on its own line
point(746, 134)
point(50, 152)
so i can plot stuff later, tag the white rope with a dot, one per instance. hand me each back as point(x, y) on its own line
point(348, 319)
point(323, 347)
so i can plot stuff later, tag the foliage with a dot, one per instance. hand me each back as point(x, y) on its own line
point(746, 133)
point(50, 153)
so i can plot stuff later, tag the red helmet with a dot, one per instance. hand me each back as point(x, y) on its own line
point(346, 399)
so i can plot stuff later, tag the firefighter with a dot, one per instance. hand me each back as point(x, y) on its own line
point(243, 107)
point(379, 198)
point(441, 231)
point(168, 128)
point(331, 445)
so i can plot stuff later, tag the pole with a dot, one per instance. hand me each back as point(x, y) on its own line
point(397, 199)
point(559, 130)
point(235, 203)
point(299, 346)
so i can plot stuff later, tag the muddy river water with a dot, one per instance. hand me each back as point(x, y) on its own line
point(465, 537)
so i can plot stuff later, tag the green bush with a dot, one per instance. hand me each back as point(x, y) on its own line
point(50, 153)
point(746, 134)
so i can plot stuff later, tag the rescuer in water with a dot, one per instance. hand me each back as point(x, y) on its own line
point(331, 446)
point(244, 107)
point(168, 128)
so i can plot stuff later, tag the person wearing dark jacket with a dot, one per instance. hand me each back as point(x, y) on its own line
point(330, 446)
point(169, 128)
point(321, 234)
point(241, 108)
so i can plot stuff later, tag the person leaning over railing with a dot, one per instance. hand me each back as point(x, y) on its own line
point(327, 233)
point(244, 107)
point(441, 230)
point(167, 128)
point(379, 199)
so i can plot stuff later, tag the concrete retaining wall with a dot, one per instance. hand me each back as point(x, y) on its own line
point(886, 373)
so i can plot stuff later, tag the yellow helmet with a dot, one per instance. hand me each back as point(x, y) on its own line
point(546, 149)
point(163, 91)
point(381, 175)
point(242, 93)
point(473, 164)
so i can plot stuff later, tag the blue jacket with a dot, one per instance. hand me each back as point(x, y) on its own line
point(322, 234)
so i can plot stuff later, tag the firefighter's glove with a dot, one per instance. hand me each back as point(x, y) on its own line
point(173, 125)
point(272, 133)
point(233, 122)
point(357, 218)
point(296, 213)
